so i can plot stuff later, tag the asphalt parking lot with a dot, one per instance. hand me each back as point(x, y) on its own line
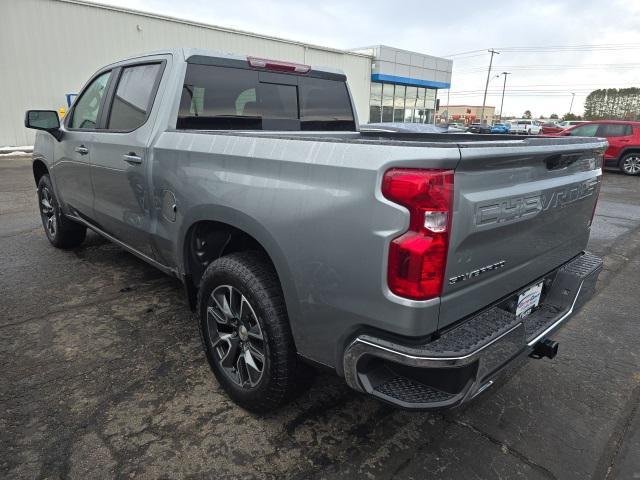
point(103, 377)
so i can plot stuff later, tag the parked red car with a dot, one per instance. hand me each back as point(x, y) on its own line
point(624, 142)
point(550, 127)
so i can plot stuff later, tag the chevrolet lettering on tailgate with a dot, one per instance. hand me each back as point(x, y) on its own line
point(514, 209)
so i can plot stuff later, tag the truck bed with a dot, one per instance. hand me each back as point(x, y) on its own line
point(411, 139)
point(318, 194)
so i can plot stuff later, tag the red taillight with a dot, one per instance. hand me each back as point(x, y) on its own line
point(417, 258)
point(278, 66)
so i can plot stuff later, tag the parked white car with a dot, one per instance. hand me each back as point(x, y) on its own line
point(525, 127)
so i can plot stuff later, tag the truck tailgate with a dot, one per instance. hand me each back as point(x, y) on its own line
point(521, 209)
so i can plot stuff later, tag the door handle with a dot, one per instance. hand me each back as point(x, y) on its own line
point(82, 150)
point(132, 159)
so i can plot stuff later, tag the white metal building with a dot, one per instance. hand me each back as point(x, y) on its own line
point(42, 59)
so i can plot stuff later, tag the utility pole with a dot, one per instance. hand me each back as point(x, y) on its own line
point(573, 95)
point(504, 86)
point(484, 99)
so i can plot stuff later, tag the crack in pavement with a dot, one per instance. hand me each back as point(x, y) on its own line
point(66, 378)
point(505, 448)
point(607, 461)
point(143, 288)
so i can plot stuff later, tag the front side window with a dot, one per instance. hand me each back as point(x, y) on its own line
point(132, 100)
point(585, 131)
point(87, 107)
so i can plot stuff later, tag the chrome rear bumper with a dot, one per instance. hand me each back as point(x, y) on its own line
point(465, 360)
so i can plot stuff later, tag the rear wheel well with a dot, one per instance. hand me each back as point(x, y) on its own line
point(628, 151)
point(207, 241)
point(39, 169)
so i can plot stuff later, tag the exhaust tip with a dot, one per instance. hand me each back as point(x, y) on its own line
point(545, 348)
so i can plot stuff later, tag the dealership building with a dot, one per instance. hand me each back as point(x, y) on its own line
point(49, 48)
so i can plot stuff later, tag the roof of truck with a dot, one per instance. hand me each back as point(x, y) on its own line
point(186, 53)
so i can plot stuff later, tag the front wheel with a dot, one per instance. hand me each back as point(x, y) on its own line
point(630, 164)
point(61, 232)
point(245, 331)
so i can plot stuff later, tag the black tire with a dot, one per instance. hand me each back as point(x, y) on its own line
point(60, 230)
point(250, 275)
point(630, 164)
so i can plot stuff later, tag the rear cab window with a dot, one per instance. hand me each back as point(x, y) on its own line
point(225, 98)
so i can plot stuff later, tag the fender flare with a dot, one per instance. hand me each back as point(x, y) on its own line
point(251, 226)
point(627, 150)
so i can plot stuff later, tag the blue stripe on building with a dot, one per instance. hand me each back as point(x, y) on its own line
point(381, 77)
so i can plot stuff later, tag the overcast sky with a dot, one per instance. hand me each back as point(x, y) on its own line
point(541, 80)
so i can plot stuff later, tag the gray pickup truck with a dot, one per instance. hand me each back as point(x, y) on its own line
point(417, 266)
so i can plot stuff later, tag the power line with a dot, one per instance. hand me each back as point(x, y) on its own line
point(532, 94)
point(530, 90)
point(566, 85)
point(547, 48)
point(523, 67)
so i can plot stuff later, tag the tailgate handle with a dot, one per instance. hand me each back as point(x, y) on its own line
point(561, 160)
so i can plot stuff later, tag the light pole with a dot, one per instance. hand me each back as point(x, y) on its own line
point(504, 86)
point(573, 95)
point(484, 99)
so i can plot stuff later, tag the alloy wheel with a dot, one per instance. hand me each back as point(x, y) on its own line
point(235, 335)
point(631, 164)
point(48, 211)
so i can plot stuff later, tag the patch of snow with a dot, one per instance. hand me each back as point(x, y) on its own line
point(12, 150)
point(9, 153)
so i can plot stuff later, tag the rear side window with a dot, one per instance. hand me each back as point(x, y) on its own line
point(133, 98)
point(614, 130)
point(219, 98)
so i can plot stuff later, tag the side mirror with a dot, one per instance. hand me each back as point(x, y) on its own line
point(46, 120)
